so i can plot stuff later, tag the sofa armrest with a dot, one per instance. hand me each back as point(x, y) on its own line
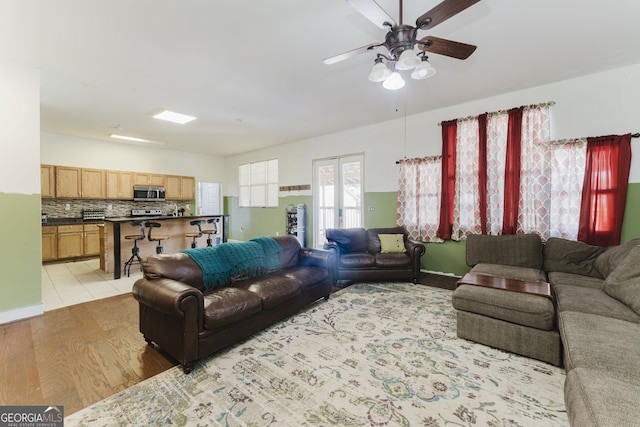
point(168, 296)
point(414, 248)
point(317, 257)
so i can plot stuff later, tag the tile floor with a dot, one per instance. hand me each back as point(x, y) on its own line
point(76, 282)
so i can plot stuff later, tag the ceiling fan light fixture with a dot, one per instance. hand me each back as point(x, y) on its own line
point(394, 82)
point(408, 60)
point(380, 72)
point(424, 70)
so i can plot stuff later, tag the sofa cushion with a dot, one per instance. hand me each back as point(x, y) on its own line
point(571, 256)
point(223, 306)
point(623, 283)
point(561, 278)
point(601, 343)
point(524, 309)
point(179, 267)
point(592, 300)
point(612, 256)
point(391, 243)
point(307, 277)
point(374, 244)
point(349, 240)
point(520, 250)
point(593, 398)
point(289, 251)
point(357, 260)
point(391, 260)
point(273, 288)
point(511, 272)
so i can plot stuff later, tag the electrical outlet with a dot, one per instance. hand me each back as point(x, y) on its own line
point(109, 207)
point(67, 207)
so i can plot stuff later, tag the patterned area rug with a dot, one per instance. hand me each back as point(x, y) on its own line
point(373, 355)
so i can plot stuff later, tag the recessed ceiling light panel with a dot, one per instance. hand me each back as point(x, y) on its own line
point(128, 138)
point(173, 117)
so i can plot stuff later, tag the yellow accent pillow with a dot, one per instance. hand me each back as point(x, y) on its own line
point(391, 243)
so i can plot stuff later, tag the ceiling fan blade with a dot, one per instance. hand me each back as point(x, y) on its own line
point(446, 47)
point(350, 54)
point(442, 12)
point(373, 12)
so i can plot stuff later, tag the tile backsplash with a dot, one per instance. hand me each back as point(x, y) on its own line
point(56, 208)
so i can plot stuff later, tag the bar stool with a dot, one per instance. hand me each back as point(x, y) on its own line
point(194, 235)
point(159, 239)
point(135, 251)
point(214, 230)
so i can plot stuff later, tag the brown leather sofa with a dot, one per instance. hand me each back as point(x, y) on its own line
point(359, 255)
point(188, 322)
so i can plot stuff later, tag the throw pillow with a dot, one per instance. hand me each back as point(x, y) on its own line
point(391, 243)
point(612, 256)
point(623, 283)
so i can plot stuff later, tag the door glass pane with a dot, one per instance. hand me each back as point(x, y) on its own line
point(351, 194)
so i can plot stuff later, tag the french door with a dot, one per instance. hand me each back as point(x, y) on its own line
point(337, 194)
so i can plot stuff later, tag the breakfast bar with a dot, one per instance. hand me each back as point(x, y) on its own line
point(115, 250)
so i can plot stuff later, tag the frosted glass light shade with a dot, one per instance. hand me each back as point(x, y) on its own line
point(423, 71)
point(394, 82)
point(408, 60)
point(379, 72)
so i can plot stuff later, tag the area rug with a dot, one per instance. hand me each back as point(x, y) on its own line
point(381, 354)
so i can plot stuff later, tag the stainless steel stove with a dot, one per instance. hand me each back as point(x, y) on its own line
point(146, 212)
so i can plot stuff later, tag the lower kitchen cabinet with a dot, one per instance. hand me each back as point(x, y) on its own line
point(49, 242)
point(70, 241)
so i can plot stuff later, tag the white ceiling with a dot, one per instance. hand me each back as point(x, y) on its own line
point(252, 71)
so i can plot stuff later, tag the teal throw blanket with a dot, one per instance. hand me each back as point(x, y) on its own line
point(240, 260)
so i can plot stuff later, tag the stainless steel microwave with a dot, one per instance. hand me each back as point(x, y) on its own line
point(148, 193)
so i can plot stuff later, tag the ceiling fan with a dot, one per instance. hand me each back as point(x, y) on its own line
point(401, 40)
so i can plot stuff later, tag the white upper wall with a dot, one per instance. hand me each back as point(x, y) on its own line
point(65, 150)
point(19, 129)
point(594, 105)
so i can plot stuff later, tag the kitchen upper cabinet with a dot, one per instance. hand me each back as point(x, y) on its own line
point(74, 183)
point(119, 185)
point(141, 178)
point(47, 181)
point(180, 187)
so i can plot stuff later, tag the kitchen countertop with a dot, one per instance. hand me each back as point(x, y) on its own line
point(158, 217)
point(71, 221)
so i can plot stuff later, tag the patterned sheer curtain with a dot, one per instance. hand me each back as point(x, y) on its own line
point(568, 159)
point(466, 208)
point(534, 208)
point(418, 208)
point(496, 156)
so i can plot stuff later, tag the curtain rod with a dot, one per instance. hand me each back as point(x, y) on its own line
point(542, 104)
point(635, 135)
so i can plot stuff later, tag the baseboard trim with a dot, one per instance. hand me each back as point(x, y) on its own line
point(21, 313)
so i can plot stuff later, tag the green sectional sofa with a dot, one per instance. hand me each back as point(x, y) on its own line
point(597, 315)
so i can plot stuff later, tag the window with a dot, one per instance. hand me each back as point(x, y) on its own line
point(259, 184)
point(419, 197)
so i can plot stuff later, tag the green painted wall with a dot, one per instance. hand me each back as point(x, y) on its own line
point(447, 257)
point(21, 251)
point(631, 224)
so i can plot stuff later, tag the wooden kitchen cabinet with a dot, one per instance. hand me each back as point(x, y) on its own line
point(80, 183)
point(70, 241)
point(49, 242)
point(91, 244)
point(119, 185)
point(180, 187)
point(141, 178)
point(47, 181)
